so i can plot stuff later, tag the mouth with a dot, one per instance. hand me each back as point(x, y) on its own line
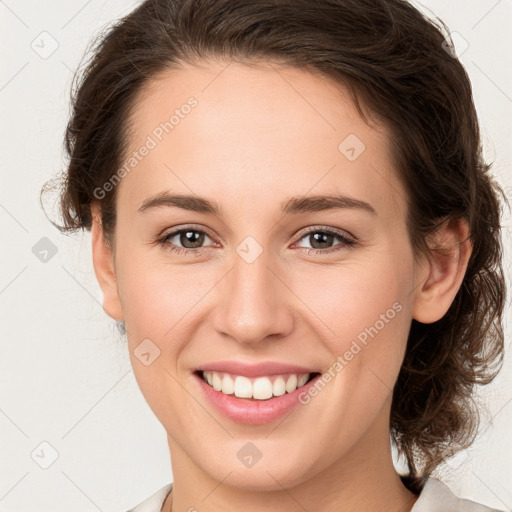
point(255, 389)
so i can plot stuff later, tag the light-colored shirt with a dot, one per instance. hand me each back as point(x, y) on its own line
point(435, 497)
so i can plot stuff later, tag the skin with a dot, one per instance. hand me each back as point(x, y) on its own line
point(258, 136)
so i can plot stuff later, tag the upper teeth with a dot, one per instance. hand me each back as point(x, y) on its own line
point(260, 388)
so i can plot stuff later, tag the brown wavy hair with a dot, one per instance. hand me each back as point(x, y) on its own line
point(400, 70)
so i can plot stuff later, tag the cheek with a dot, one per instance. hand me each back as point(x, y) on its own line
point(157, 303)
point(156, 294)
point(363, 311)
point(350, 297)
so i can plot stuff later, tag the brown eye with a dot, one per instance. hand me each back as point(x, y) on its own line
point(323, 241)
point(185, 241)
point(191, 239)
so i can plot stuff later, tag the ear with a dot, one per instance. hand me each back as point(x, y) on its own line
point(442, 272)
point(103, 260)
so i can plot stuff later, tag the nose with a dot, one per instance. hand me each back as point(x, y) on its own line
point(254, 302)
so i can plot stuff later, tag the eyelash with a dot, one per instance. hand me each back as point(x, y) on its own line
point(345, 241)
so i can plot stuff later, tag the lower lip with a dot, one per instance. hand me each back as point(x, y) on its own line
point(253, 412)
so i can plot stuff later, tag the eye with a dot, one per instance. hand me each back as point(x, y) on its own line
point(321, 240)
point(191, 240)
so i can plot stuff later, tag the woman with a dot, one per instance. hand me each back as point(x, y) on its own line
point(294, 226)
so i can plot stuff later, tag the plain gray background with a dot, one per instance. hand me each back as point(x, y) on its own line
point(66, 379)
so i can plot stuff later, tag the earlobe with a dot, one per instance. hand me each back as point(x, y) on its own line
point(444, 270)
point(103, 261)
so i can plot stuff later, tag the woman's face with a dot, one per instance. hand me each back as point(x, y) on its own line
point(263, 144)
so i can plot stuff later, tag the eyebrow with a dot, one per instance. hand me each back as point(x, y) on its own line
point(294, 205)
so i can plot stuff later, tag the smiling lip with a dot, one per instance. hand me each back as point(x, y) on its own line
point(249, 410)
point(263, 369)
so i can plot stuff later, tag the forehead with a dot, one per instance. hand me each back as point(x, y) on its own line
point(258, 132)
